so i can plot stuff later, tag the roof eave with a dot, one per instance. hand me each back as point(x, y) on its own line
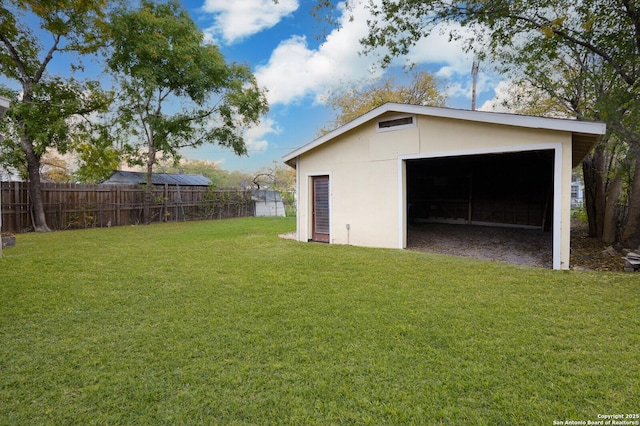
point(288, 158)
point(595, 129)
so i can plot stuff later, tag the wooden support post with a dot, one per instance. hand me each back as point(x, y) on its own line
point(470, 213)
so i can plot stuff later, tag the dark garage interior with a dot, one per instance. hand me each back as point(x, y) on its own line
point(507, 189)
point(511, 194)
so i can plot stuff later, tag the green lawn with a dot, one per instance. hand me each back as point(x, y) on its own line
point(222, 322)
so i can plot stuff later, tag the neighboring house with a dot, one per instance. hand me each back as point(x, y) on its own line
point(9, 176)
point(4, 106)
point(120, 177)
point(577, 194)
point(268, 203)
point(364, 182)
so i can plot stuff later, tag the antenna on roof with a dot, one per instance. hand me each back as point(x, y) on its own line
point(474, 73)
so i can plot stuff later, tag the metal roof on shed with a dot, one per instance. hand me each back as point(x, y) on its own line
point(266, 195)
point(132, 178)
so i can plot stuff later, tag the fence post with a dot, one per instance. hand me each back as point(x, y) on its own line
point(17, 197)
point(165, 198)
point(117, 207)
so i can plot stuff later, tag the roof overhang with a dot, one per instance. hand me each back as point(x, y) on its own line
point(585, 134)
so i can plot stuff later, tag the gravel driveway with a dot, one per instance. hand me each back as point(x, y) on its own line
point(511, 245)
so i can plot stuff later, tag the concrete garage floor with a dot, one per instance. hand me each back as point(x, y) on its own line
point(510, 245)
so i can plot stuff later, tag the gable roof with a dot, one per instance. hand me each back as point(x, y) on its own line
point(585, 134)
point(132, 178)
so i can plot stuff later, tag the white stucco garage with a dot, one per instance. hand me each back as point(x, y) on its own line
point(362, 183)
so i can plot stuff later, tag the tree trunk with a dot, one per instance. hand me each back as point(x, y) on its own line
point(33, 168)
point(610, 222)
point(594, 190)
point(630, 237)
point(148, 191)
point(35, 189)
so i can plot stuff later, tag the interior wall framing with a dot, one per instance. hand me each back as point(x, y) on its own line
point(504, 189)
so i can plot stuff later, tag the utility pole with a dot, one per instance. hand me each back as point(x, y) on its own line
point(474, 73)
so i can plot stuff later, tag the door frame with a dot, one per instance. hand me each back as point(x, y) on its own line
point(310, 205)
point(558, 172)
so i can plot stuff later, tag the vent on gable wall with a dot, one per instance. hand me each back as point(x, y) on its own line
point(396, 123)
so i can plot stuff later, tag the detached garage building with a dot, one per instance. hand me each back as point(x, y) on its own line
point(363, 183)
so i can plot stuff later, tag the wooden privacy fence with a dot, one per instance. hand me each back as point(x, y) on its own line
point(71, 206)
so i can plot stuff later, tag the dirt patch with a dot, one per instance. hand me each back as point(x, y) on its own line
point(592, 253)
point(511, 245)
point(288, 236)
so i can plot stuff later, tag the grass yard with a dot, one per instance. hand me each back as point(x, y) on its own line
point(222, 322)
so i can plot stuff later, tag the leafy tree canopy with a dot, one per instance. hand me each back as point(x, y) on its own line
point(178, 91)
point(597, 38)
point(220, 178)
point(47, 111)
point(175, 90)
point(350, 103)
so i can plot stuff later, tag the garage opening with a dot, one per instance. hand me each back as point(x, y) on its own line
point(509, 194)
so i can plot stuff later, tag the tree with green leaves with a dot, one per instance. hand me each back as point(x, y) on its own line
point(97, 155)
point(47, 111)
point(175, 90)
point(570, 86)
point(55, 169)
point(528, 39)
point(220, 178)
point(423, 89)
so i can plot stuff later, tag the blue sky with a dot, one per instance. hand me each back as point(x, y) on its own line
point(281, 43)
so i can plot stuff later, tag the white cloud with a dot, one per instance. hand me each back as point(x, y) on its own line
point(460, 85)
point(519, 99)
point(254, 137)
point(238, 19)
point(295, 71)
point(211, 163)
point(438, 49)
point(503, 92)
point(454, 62)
